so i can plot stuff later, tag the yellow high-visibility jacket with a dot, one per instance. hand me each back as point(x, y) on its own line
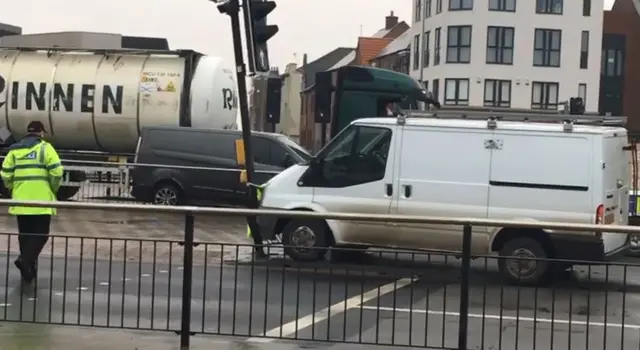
point(259, 191)
point(32, 171)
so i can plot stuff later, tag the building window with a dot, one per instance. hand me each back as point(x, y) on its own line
point(500, 45)
point(497, 93)
point(612, 63)
point(546, 48)
point(418, 11)
point(584, 50)
point(456, 92)
point(404, 64)
point(426, 42)
point(438, 6)
point(436, 47)
point(586, 8)
point(435, 89)
point(459, 44)
point(582, 93)
point(502, 5)
point(460, 5)
point(416, 52)
point(552, 7)
point(544, 95)
point(427, 8)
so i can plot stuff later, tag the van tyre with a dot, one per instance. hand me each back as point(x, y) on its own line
point(167, 194)
point(523, 271)
point(305, 240)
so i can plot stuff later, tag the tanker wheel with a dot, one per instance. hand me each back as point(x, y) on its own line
point(67, 192)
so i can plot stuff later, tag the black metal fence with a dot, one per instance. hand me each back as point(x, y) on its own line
point(383, 297)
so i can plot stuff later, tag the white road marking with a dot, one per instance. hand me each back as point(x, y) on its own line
point(31, 299)
point(82, 288)
point(163, 271)
point(104, 283)
point(294, 326)
point(145, 275)
point(127, 279)
point(5, 305)
point(59, 294)
point(180, 267)
point(508, 318)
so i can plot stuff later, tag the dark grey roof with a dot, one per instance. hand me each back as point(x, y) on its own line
point(322, 64)
point(7, 29)
point(144, 43)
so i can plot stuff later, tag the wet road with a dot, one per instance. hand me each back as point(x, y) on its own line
point(387, 301)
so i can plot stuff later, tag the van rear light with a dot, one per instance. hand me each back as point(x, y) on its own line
point(600, 215)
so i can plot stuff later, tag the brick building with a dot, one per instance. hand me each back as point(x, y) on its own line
point(620, 67)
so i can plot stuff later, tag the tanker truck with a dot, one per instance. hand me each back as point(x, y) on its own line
point(94, 103)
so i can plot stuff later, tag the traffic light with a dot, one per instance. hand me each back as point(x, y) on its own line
point(274, 90)
point(258, 32)
point(576, 106)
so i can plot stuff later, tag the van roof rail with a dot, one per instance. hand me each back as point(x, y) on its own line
point(512, 114)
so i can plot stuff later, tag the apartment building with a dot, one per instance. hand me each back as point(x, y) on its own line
point(508, 53)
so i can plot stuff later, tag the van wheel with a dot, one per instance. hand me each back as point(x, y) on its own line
point(305, 240)
point(167, 194)
point(523, 271)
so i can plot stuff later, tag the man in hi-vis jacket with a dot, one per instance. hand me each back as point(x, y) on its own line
point(32, 171)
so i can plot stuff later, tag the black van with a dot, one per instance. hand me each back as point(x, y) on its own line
point(214, 149)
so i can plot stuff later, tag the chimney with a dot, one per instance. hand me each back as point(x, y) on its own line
point(390, 21)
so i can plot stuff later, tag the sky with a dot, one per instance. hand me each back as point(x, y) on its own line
point(306, 26)
point(314, 27)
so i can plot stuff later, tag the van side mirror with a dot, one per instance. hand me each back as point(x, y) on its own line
point(315, 164)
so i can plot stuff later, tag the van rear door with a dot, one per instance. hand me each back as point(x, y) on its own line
point(616, 188)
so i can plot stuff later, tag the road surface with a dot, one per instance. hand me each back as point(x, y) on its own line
point(388, 302)
point(397, 301)
point(105, 232)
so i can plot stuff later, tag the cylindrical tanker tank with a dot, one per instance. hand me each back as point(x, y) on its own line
point(98, 100)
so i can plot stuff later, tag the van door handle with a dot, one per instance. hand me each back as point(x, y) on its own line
point(389, 189)
point(407, 191)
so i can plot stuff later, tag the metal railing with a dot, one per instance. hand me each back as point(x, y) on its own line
point(386, 297)
point(113, 181)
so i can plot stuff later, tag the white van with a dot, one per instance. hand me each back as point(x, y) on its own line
point(564, 171)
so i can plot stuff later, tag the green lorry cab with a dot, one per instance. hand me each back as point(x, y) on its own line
point(347, 93)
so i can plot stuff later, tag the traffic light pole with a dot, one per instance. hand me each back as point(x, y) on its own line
point(234, 13)
point(248, 33)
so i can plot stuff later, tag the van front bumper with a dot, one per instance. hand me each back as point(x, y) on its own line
point(585, 248)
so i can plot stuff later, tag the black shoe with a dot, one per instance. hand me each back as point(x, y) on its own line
point(33, 273)
point(25, 273)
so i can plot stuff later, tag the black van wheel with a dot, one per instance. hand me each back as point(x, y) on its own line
point(166, 193)
point(305, 240)
point(526, 271)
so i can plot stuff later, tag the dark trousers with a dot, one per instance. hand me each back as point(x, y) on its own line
point(34, 234)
